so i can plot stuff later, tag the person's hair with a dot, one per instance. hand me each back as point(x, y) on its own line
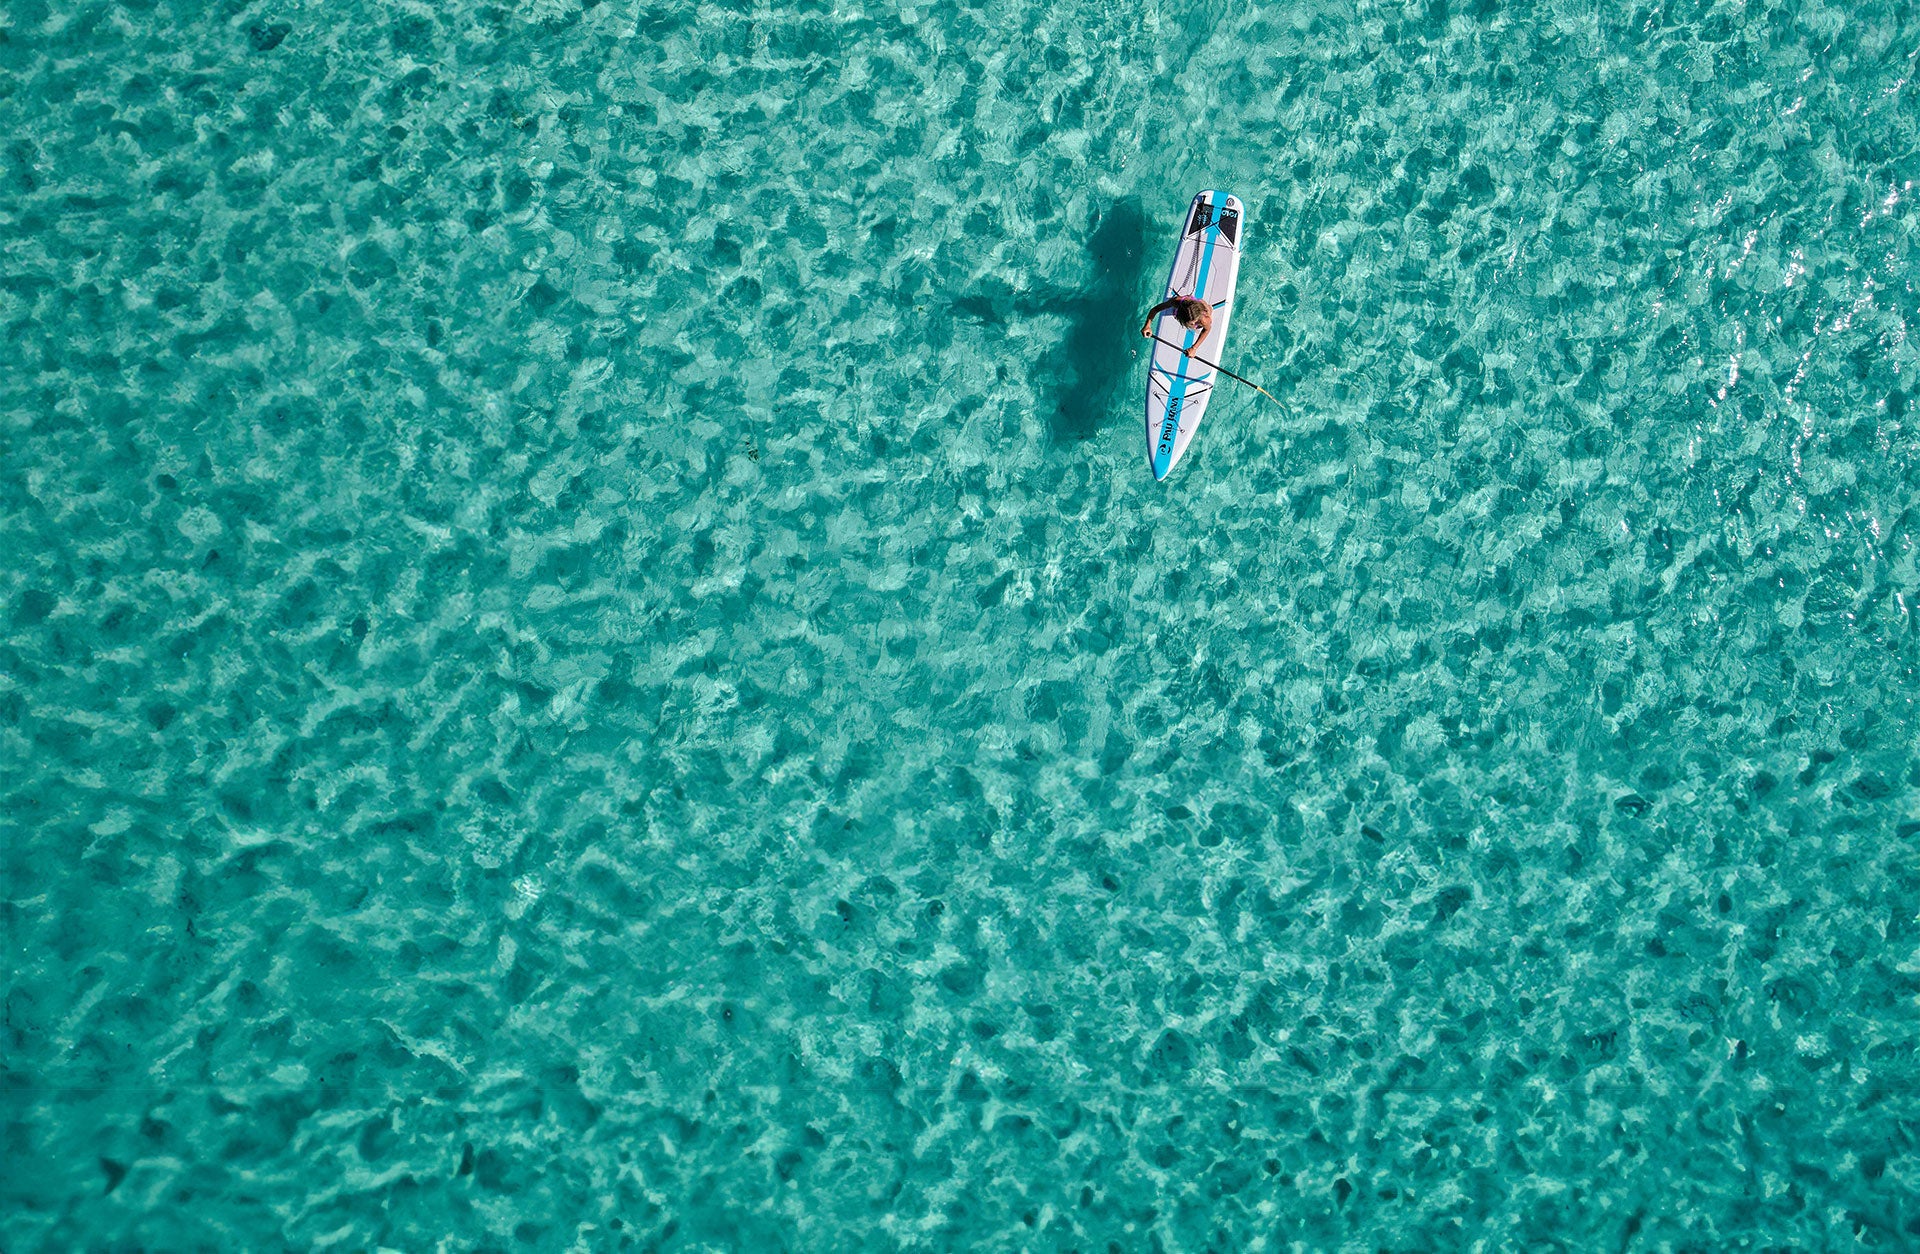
point(1187, 310)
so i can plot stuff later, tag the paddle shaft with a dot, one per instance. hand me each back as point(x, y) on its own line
point(1223, 370)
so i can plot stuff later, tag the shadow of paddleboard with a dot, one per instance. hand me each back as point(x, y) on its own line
point(1096, 354)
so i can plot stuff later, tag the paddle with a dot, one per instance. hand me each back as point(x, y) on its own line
point(1223, 370)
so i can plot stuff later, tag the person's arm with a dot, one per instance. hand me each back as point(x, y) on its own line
point(1204, 331)
point(1156, 311)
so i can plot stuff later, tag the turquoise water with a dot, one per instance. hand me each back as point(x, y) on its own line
point(592, 661)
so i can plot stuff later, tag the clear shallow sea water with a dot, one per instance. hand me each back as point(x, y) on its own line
point(591, 660)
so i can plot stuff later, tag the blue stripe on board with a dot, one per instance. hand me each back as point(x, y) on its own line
point(1163, 448)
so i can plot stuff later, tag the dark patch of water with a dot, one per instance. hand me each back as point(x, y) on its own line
point(1095, 355)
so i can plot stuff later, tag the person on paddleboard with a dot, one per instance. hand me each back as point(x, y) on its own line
point(1188, 312)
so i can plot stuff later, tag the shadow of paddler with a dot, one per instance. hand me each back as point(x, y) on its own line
point(1096, 353)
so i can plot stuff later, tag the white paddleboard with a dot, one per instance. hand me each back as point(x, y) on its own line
point(1206, 265)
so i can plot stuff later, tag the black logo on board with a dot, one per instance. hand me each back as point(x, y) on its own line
point(1170, 425)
